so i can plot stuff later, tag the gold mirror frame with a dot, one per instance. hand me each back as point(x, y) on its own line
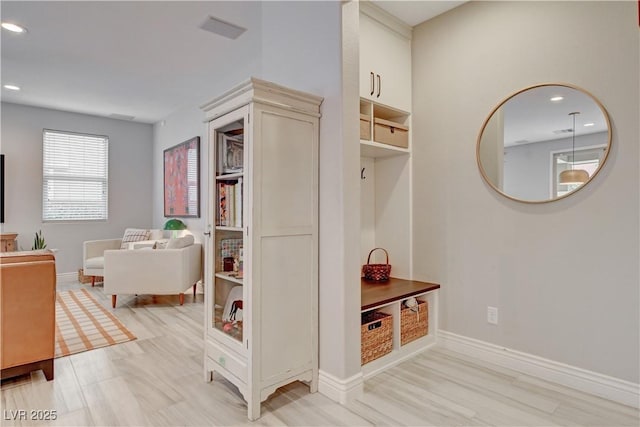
point(513, 95)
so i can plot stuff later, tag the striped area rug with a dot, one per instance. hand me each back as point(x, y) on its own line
point(83, 324)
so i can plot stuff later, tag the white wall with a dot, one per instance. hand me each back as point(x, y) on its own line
point(129, 179)
point(175, 129)
point(187, 121)
point(302, 49)
point(299, 47)
point(564, 275)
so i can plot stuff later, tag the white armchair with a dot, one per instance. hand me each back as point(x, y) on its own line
point(152, 271)
point(93, 256)
point(93, 250)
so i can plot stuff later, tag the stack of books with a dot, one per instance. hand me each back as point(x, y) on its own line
point(230, 203)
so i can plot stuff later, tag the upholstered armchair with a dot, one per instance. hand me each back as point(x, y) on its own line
point(149, 271)
point(93, 250)
point(93, 256)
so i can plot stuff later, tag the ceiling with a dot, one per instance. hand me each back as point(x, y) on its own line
point(139, 59)
point(416, 12)
point(531, 116)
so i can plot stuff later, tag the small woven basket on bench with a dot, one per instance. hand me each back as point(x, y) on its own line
point(376, 272)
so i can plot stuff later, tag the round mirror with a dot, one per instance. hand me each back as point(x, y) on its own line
point(544, 143)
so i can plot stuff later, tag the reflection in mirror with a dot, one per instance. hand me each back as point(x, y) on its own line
point(530, 150)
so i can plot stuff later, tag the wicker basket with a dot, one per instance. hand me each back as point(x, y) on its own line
point(376, 334)
point(414, 324)
point(376, 272)
point(87, 279)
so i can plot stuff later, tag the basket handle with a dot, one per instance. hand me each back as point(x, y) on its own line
point(385, 251)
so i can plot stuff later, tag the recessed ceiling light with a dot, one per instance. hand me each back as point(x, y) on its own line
point(12, 87)
point(556, 99)
point(13, 27)
point(589, 124)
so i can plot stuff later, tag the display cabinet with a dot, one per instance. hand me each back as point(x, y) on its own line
point(261, 284)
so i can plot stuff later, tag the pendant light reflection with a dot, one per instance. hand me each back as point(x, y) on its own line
point(573, 176)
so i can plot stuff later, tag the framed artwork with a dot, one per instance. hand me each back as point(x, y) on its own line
point(182, 179)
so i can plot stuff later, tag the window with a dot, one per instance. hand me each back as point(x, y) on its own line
point(587, 159)
point(74, 171)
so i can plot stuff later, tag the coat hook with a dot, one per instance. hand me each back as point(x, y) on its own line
point(362, 174)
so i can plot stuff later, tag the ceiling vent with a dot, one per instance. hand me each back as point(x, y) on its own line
point(222, 28)
point(121, 117)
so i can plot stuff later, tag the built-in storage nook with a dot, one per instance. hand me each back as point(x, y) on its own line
point(399, 316)
point(410, 310)
point(261, 269)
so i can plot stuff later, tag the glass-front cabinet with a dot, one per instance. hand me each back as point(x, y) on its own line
point(228, 199)
point(261, 274)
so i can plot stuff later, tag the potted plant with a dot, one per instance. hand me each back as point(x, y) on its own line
point(38, 241)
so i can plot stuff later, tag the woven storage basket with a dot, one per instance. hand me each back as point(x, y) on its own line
point(376, 335)
point(376, 272)
point(414, 325)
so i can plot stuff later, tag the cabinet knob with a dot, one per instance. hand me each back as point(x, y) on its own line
point(379, 86)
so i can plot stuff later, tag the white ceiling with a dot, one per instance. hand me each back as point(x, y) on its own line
point(532, 117)
point(143, 59)
point(416, 12)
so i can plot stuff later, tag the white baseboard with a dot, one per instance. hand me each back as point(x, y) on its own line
point(339, 390)
point(67, 277)
point(611, 388)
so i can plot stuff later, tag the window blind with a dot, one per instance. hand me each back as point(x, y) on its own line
point(75, 176)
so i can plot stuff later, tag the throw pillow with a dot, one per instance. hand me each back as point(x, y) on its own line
point(161, 244)
point(180, 242)
point(133, 235)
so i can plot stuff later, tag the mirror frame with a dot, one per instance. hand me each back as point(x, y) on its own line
point(496, 108)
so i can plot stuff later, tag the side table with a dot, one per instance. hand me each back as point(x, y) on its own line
point(8, 242)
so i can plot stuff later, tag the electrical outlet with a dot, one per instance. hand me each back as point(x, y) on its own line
point(492, 315)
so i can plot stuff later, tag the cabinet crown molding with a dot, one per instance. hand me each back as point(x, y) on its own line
point(261, 91)
point(385, 18)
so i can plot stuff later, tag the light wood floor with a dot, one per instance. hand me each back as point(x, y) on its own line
point(157, 380)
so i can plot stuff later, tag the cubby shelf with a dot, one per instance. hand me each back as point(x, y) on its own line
point(229, 176)
point(224, 228)
point(387, 297)
point(378, 150)
point(227, 275)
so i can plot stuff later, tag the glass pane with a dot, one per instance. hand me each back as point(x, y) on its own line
point(228, 290)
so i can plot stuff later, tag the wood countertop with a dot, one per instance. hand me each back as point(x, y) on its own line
point(379, 293)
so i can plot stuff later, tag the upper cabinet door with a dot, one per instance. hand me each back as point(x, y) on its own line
point(385, 64)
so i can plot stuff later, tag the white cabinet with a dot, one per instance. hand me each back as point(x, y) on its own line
point(385, 59)
point(261, 270)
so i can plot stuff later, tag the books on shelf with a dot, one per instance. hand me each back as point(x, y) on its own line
point(230, 203)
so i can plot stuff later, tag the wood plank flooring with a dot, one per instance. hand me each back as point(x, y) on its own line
point(157, 380)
